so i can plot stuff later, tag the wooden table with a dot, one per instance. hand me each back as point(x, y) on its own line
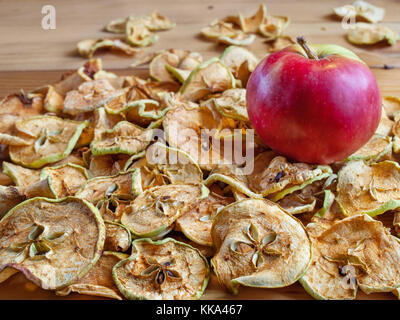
point(31, 57)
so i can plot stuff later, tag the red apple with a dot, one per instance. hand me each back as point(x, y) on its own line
point(315, 104)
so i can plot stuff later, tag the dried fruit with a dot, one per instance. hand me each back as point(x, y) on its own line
point(162, 270)
point(118, 237)
point(10, 196)
point(87, 48)
point(209, 77)
point(367, 33)
point(98, 281)
point(259, 245)
point(155, 210)
point(374, 150)
point(354, 252)
point(20, 176)
point(369, 189)
point(53, 242)
point(50, 139)
point(361, 10)
point(273, 27)
point(137, 34)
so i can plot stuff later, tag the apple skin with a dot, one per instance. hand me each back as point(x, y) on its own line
point(313, 111)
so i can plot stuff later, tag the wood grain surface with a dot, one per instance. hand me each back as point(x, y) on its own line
point(31, 57)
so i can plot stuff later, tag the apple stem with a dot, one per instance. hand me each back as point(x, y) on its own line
point(303, 43)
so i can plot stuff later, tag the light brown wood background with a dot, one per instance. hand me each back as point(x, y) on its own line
point(31, 57)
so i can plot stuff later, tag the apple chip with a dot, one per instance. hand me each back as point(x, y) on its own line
point(259, 245)
point(391, 105)
point(253, 23)
point(240, 61)
point(20, 176)
point(64, 180)
point(355, 252)
point(275, 177)
point(370, 189)
point(121, 186)
point(162, 270)
point(209, 77)
point(273, 27)
point(280, 43)
point(92, 95)
point(50, 139)
point(98, 281)
point(385, 125)
point(172, 63)
point(367, 33)
point(376, 149)
point(125, 138)
point(226, 32)
point(196, 223)
point(10, 196)
point(107, 165)
point(137, 34)
point(87, 48)
point(52, 242)
point(111, 208)
point(361, 10)
point(118, 237)
point(155, 210)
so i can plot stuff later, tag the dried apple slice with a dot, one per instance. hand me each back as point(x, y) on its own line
point(156, 209)
point(196, 223)
point(137, 34)
point(355, 252)
point(22, 177)
point(92, 95)
point(125, 138)
point(64, 180)
point(361, 10)
point(375, 149)
point(209, 77)
point(367, 33)
point(162, 270)
point(50, 138)
point(107, 165)
point(273, 27)
point(53, 242)
point(120, 186)
point(219, 29)
point(280, 43)
point(259, 245)
point(253, 23)
point(391, 105)
point(275, 177)
point(118, 237)
point(87, 48)
point(98, 281)
point(176, 61)
point(10, 196)
point(240, 61)
point(370, 189)
point(232, 104)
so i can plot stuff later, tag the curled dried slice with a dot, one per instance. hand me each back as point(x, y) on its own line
point(253, 23)
point(156, 209)
point(219, 29)
point(118, 237)
point(361, 10)
point(175, 59)
point(367, 33)
point(240, 61)
point(10, 196)
point(107, 165)
point(120, 186)
point(370, 189)
point(64, 180)
point(280, 43)
point(259, 245)
point(98, 281)
point(22, 177)
point(137, 34)
point(53, 242)
point(91, 95)
point(375, 149)
point(232, 104)
point(354, 252)
point(125, 138)
point(162, 270)
point(196, 223)
point(391, 105)
point(87, 48)
point(275, 177)
point(111, 208)
point(50, 138)
point(273, 27)
point(209, 77)
point(240, 39)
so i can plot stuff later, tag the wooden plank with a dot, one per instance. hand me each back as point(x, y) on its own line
point(31, 57)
